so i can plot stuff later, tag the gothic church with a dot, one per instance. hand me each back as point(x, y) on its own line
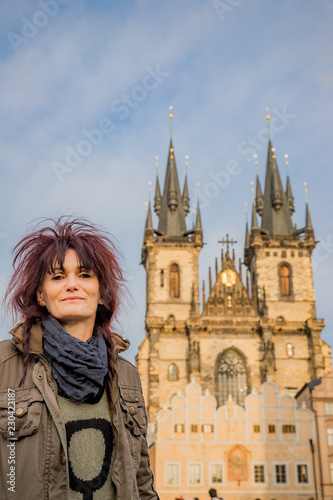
point(250, 325)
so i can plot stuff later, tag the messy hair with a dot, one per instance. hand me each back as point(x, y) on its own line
point(43, 249)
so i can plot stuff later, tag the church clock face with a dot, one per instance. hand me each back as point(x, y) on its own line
point(229, 277)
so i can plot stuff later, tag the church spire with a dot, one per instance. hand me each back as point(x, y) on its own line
point(198, 224)
point(276, 218)
point(158, 198)
point(308, 222)
point(254, 221)
point(289, 195)
point(185, 197)
point(172, 215)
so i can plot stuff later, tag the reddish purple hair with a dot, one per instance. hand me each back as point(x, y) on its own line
point(44, 248)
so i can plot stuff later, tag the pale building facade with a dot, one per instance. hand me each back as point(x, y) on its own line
point(318, 396)
point(257, 451)
point(256, 318)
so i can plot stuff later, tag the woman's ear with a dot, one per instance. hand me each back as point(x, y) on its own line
point(40, 299)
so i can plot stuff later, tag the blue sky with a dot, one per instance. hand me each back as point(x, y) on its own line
point(68, 68)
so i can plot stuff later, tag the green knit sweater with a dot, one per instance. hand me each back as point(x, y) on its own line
point(90, 446)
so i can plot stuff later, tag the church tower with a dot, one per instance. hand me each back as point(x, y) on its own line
point(170, 256)
point(257, 318)
point(278, 256)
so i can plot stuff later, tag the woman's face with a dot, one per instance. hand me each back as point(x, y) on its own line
point(72, 294)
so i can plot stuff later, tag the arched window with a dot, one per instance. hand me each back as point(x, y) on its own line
point(174, 281)
point(173, 372)
point(231, 378)
point(285, 280)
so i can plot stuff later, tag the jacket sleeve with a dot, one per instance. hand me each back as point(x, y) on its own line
point(145, 477)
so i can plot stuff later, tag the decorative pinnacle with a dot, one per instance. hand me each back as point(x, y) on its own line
point(171, 116)
point(246, 211)
point(268, 124)
point(149, 190)
point(156, 164)
point(252, 190)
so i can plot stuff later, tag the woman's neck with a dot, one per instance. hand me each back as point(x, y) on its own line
point(79, 329)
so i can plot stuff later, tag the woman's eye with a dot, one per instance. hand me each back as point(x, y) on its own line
point(85, 275)
point(57, 277)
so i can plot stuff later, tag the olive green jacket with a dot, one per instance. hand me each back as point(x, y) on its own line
point(33, 445)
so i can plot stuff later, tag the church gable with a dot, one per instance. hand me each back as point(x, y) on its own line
point(228, 296)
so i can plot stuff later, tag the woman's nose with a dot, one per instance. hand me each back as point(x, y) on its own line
point(71, 284)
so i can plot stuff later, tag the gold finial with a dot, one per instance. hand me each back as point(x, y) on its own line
point(267, 116)
point(171, 116)
point(306, 191)
point(287, 163)
point(256, 162)
point(268, 124)
point(245, 210)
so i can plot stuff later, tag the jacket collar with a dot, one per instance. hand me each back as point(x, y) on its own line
point(36, 340)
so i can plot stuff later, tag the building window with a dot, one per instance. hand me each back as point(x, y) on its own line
point(229, 301)
point(259, 473)
point(173, 372)
point(231, 378)
point(290, 350)
point(285, 280)
point(256, 428)
point(328, 408)
point(288, 429)
point(302, 474)
point(194, 428)
point(207, 428)
point(216, 473)
point(179, 428)
point(280, 474)
point(172, 476)
point(331, 472)
point(162, 278)
point(271, 429)
point(194, 473)
point(329, 436)
point(174, 282)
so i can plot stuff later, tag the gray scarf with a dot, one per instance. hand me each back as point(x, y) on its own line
point(78, 367)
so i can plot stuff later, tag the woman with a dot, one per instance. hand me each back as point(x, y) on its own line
point(72, 416)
